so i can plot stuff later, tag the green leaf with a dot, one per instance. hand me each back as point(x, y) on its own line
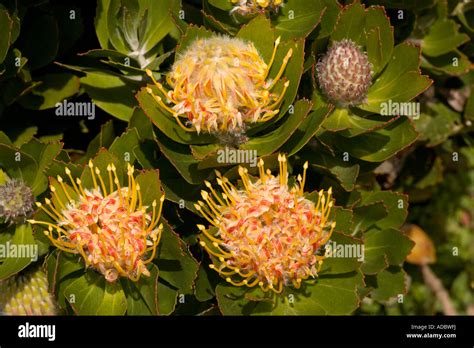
point(438, 124)
point(44, 153)
point(260, 32)
point(307, 129)
point(177, 266)
point(464, 12)
point(345, 172)
point(142, 124)
point(142, 296)
point(348, 124)
point(270, 142)
point(101, 161)
point(350, 24)
point(167, 124)
point(93, 295)
point(192, 33)
point(367, 216)
point(343, 254)
point(167, 298)
point(54, 88)
point(379, 145)
point(101, 25)
point(105, 53)
point(298, 20)
point(332, 295)
point(213, 20)
point(112, 93)
point(344, 220)
point(395, 203)
point(379, 38)
point(384, 248)
point(329, 18)
point(18, 164)
point(181, 158)
point(442, 38)
point(60, 265)
point(6, 26)
point(453, 63)
point(12, 264)
point(223, 5)
point(150, 188)
point(122, 146)
point(4, 139)
point(205, 283)
point(292, 73)
point(401, 81)
point(160, 19)
point(390, 282)
point(25, 136)
point(104, 139)
point(176, 188)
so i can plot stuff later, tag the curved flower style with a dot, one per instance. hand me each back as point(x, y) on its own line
point(27, 295)
point(16, 201)
point(268, 234)
point(345, 74)
point(245, 7)
point(107, 225)
point(220, 85)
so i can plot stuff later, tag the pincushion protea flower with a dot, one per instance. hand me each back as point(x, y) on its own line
point(220, 85)
point(345, 74)
point(107, 225)
point(266, 234)
point(27, 295)
point(245, 7)
point(16, 201)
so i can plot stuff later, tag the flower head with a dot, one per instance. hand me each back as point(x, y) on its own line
point(220, 85)
point(16, 201)
point(345, 74)
point(265, 234)
point(245, 7)
point(108, 225)
point(26, 295)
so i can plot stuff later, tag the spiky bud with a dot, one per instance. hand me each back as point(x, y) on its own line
point(16, 201)
point(27, 295)
point(345, 74)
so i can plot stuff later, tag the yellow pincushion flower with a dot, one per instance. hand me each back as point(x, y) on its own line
point(245, 7)
point(220, 85)
point(108, 224)
point(266, 234)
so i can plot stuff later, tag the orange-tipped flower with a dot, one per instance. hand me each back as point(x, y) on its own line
point(245, 7)
point(265, 234)
point(219, 85)
point(107, 225)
